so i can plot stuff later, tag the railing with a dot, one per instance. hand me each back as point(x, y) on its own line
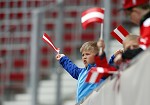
point(131, 88)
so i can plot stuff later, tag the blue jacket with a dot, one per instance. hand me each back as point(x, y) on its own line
point(80, 74)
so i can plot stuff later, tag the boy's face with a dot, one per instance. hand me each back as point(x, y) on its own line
point(132, 44)
point(88, 58)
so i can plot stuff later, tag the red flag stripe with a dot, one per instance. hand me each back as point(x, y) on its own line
point(93, 10)
point(93, 77)
point(92, 20)
point(88, 77)
point(123, 30)
point(99, 77)
point(47, 39)
point(119, 33)
point(92, 15)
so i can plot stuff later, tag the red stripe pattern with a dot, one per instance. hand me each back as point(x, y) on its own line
point(95, 74)
point(92, 15)
point(120, 33)
point(48, 40)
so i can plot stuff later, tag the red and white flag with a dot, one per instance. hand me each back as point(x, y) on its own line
point(120, 33)
point(92, 15)
point(48, 40)
point(95, 74)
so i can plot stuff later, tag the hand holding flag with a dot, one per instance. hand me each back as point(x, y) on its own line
point(119, 33)
point(92, 15)
point(48, 40)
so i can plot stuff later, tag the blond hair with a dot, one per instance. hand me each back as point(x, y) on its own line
point(89, 46)
point(131, 37)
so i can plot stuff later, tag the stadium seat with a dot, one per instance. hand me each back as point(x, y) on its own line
point(87, 36)
point(67, 50)
point(3, 39)
point(3, 52)
point(68, 37)
point(45, 62)
point(69, 25)
point(45, 50)
point(19, 63)
point(17, 76)
point(11, 4)
point(2, 27)
point(19, 15)
point(2, 4)
point(19, 3)
point(49, 26)
point(2, 16)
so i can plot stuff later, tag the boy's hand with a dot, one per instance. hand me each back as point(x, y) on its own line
point(118, 59)
point(58, 56)
point(101, 45)
point(118, 52)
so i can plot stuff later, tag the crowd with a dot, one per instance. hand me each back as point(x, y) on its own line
point(139, 13)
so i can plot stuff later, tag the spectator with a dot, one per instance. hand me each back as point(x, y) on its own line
point(89, 51)
point(139, 13)
point(129, 44)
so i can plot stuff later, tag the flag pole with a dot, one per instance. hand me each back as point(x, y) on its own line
point(101, 37)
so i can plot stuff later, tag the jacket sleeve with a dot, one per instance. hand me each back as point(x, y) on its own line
point(70, 67)
point(101, 61)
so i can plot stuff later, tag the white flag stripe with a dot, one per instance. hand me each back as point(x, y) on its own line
point(119, 34)
point(50, 43)
point(93, 77)
point(92, 15)
point(99, 69)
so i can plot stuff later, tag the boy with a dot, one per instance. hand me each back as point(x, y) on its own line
point(129, 44)
point(89, 51)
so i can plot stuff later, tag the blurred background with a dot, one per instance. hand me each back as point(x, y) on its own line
point(29, 73)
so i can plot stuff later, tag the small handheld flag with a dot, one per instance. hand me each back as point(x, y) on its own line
point(92, 15)
point(119, 33)
point(95, 74)
point(48, 40)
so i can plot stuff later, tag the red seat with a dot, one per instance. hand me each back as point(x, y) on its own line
point(2, 27)
point(114, 12)
point(15, 76)
point(11, 15)
point(29, 27)
point(87, 36)
point(54, 14)
point(11, 4)
point(19, 3)
point(115, 1)
point(2, 4)
point(45, 62)
point(49, 26)
point(3, 52)
point(37, 3)
point(3, 40)
point(19, 15)
point(2, 16)
point(73, 13)
point(45, 50)
point(68, 37)
point(19, 63)
point(29, 3)
point(67, 50)
point(69, 25)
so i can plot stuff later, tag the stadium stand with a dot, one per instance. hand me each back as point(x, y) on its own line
point(15, 39)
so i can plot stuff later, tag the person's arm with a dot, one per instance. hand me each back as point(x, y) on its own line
point(68, 65)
